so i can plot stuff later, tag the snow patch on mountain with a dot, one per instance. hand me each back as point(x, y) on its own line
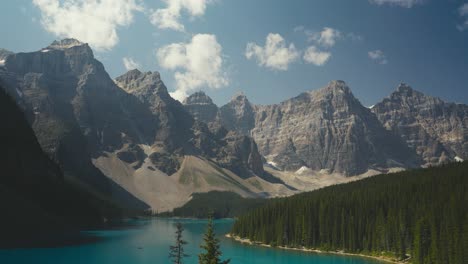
point(19, 92)
point(303, 170)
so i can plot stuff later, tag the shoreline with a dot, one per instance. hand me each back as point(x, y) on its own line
point(249, 242)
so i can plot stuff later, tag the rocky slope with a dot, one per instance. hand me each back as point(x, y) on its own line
point(32, 185)
point(202, 108)
point(76, 111)
point(106, 134)
point(436, 130)
point(327, 129)
point(238, 115)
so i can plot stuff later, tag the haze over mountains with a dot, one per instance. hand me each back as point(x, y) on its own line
point(129, 140)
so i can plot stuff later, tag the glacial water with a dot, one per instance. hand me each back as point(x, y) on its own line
point(147, 242)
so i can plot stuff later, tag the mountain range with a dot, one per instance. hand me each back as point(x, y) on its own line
point(129, 141)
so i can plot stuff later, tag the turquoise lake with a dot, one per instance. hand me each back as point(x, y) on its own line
point(147, 242)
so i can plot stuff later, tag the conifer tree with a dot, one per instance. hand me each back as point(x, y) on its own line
point(176, 252)
point(212, 253)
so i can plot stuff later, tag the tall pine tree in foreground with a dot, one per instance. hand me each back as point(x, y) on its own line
point(212, 253)
point(176, 252)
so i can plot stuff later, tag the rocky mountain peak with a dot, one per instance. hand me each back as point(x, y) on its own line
point(430, 126)
point(404, 90)
point(337, 87)
point(238, 114)
point(239, 98)
point(142, 83)
point(66, 44)
point(199, 98)
point(4, 53)
point(201, 107)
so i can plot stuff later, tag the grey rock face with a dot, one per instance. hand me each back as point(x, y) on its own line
point(238, 115)
point(4, 53)
point(436, 130)
point(201, 107)
point(327, 129)
point(324, 129)
point(79, 113)
point(179, 133)
point(76, 110)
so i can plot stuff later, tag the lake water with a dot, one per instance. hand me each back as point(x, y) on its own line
point(148, 242)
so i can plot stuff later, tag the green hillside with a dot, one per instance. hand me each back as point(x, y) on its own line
point(419, 214)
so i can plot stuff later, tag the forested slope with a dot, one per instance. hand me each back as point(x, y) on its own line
point(418, 214)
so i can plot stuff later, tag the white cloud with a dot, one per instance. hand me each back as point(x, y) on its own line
point(197, 63)
point(91, 21)
point(130, 63)
point(275, 54)
point(326, 38)
point(402, 3)
point(315, 56)
point(168, 18)
point(378, 56)
point(463, 10)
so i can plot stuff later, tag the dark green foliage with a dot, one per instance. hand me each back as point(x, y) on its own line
point(176, 252)
point(35, 198)
point(219, 204)
point(212, 253)
point(418, 214)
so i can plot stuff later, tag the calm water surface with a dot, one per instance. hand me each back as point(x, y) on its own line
point(149, 240)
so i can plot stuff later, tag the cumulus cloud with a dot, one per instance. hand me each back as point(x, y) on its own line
point(276, 54)
point(326, 38)
point(315, 56)
point(130, 63)
point(463, 11)
point(91, 21)
point(168, 18)
point(402, 3)
point(378, 56)
point(197, 63)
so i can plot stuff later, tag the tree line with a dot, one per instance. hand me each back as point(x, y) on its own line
point(418, 215)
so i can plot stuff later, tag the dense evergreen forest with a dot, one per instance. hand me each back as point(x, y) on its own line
point(216, 204)
point(418, 214)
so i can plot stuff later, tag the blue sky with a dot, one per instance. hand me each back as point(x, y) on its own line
point(269, 49)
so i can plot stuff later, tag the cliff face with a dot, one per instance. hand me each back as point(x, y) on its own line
point(327, 129)
point(75, 110)
point(238, 115)
point(201, 107)
point(31, 184)
point(436, 130)
point(182, 129)
point(323, 129)
point(93, 126)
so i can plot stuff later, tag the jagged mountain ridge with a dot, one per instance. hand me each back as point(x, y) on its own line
point(322, 129)
point(435, 129)
point(66, 96)
point(94, 128)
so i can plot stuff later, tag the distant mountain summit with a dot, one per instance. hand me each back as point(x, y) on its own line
point(130, 142)
point(238, 114)
point(65, 44)
point(201, 107)
point(327, 129)
point(115, 136)
point(436, 130)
